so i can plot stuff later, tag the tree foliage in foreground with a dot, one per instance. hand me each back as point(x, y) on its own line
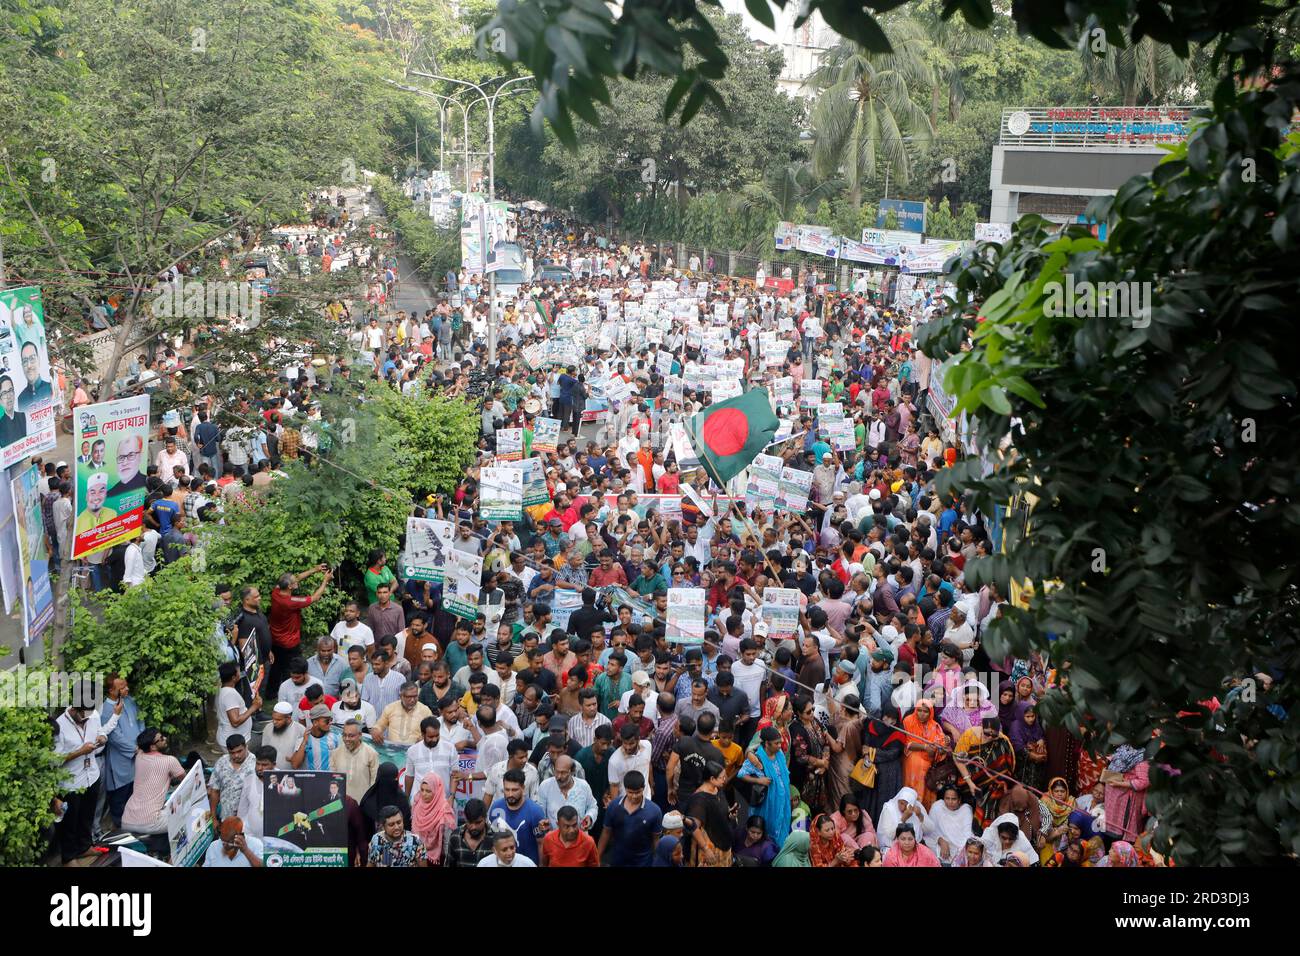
point(1161, 450)
point(579, 48)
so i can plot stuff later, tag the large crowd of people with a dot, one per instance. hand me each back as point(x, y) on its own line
point(565, 723)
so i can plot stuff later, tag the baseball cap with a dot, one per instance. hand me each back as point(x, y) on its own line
point(761, 629)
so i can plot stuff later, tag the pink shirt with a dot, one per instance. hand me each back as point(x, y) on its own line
point(153, 776)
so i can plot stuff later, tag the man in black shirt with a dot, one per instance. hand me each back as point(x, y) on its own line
point(587, 617)
point(732, 704)
point(693, 749)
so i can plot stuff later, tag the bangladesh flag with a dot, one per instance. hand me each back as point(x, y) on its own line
point(729, 434)
point(546, 313)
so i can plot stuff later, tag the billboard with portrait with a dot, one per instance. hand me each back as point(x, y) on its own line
point(28, 397)
point(111, 439)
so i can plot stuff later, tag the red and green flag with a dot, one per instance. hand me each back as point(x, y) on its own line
point(546, 312)
point(729, 434)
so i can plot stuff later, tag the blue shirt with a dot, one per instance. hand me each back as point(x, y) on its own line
point(524, 822)
point(164, 509)
point(682, 689)
point(119, 754)
point(631, 835)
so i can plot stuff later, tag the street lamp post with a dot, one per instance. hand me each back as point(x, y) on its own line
point(491, 102)
point(442, 106)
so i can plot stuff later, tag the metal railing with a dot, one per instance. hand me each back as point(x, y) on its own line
point(1092, 127)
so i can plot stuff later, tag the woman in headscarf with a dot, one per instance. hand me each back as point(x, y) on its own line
point(800, 815)
point(950, 826)
point(385, 793)
point(966, 709)
point(1008, 709)
point(1071, 856)
point(849, 726)
point(907, 850)
point(777, 713)
point(887, 742)
point(1126, 782)
point(827, 848)
point(795, 851)
point(924, 740)
point(750, 844)
point(668, 852)
point(766, 766)
point(1026, 736)
point(1025, 695)
point(1029, 813)
point(986, 762)
point(809, 754)
point(432, 817)
point(1121, 854)
point(974, 853)
point(1005, 836)
point(1057, 809)
point(853, 826)
point(905, 807)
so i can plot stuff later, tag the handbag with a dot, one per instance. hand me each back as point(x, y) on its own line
point(864, 771)
point(757, 794)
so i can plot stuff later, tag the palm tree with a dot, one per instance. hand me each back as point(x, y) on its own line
point(867, 107)
point(950, 40)
point(1141, 73)
point(784, 187)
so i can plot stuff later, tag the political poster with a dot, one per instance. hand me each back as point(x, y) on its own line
point(685, 616)
point(781, 612)
point(111, 440)
point(34, 568)
point(462, 580)
point(189, 819)
point(783, 390)
point(793, 492)
point(724, 389)
point(564, 602)
point(510, 444)
point(465, 789)
point(27, 395)
point(304, 818)
point(496, 233)
point(993, 232)
point(427, 542)
point(783, 236)
point(501, 494)
point(534, 481)
point(830, 411)
point(687, 459)
point(810, 393)
point(839, 433)
point(471, 232)
point(674, 391)
point(11, 567)
point(764, 482)
point(546, 434)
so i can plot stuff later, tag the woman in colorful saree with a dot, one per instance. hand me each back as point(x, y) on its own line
point(966, 708)
point(950, 822)
point(906, 850)
point(827, 847)
point(987, 762)
point(1057, 814)
point(925, 736)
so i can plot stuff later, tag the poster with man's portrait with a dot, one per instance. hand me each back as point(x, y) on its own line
point(111, 439)
point(304, 818)
point(28, 397)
